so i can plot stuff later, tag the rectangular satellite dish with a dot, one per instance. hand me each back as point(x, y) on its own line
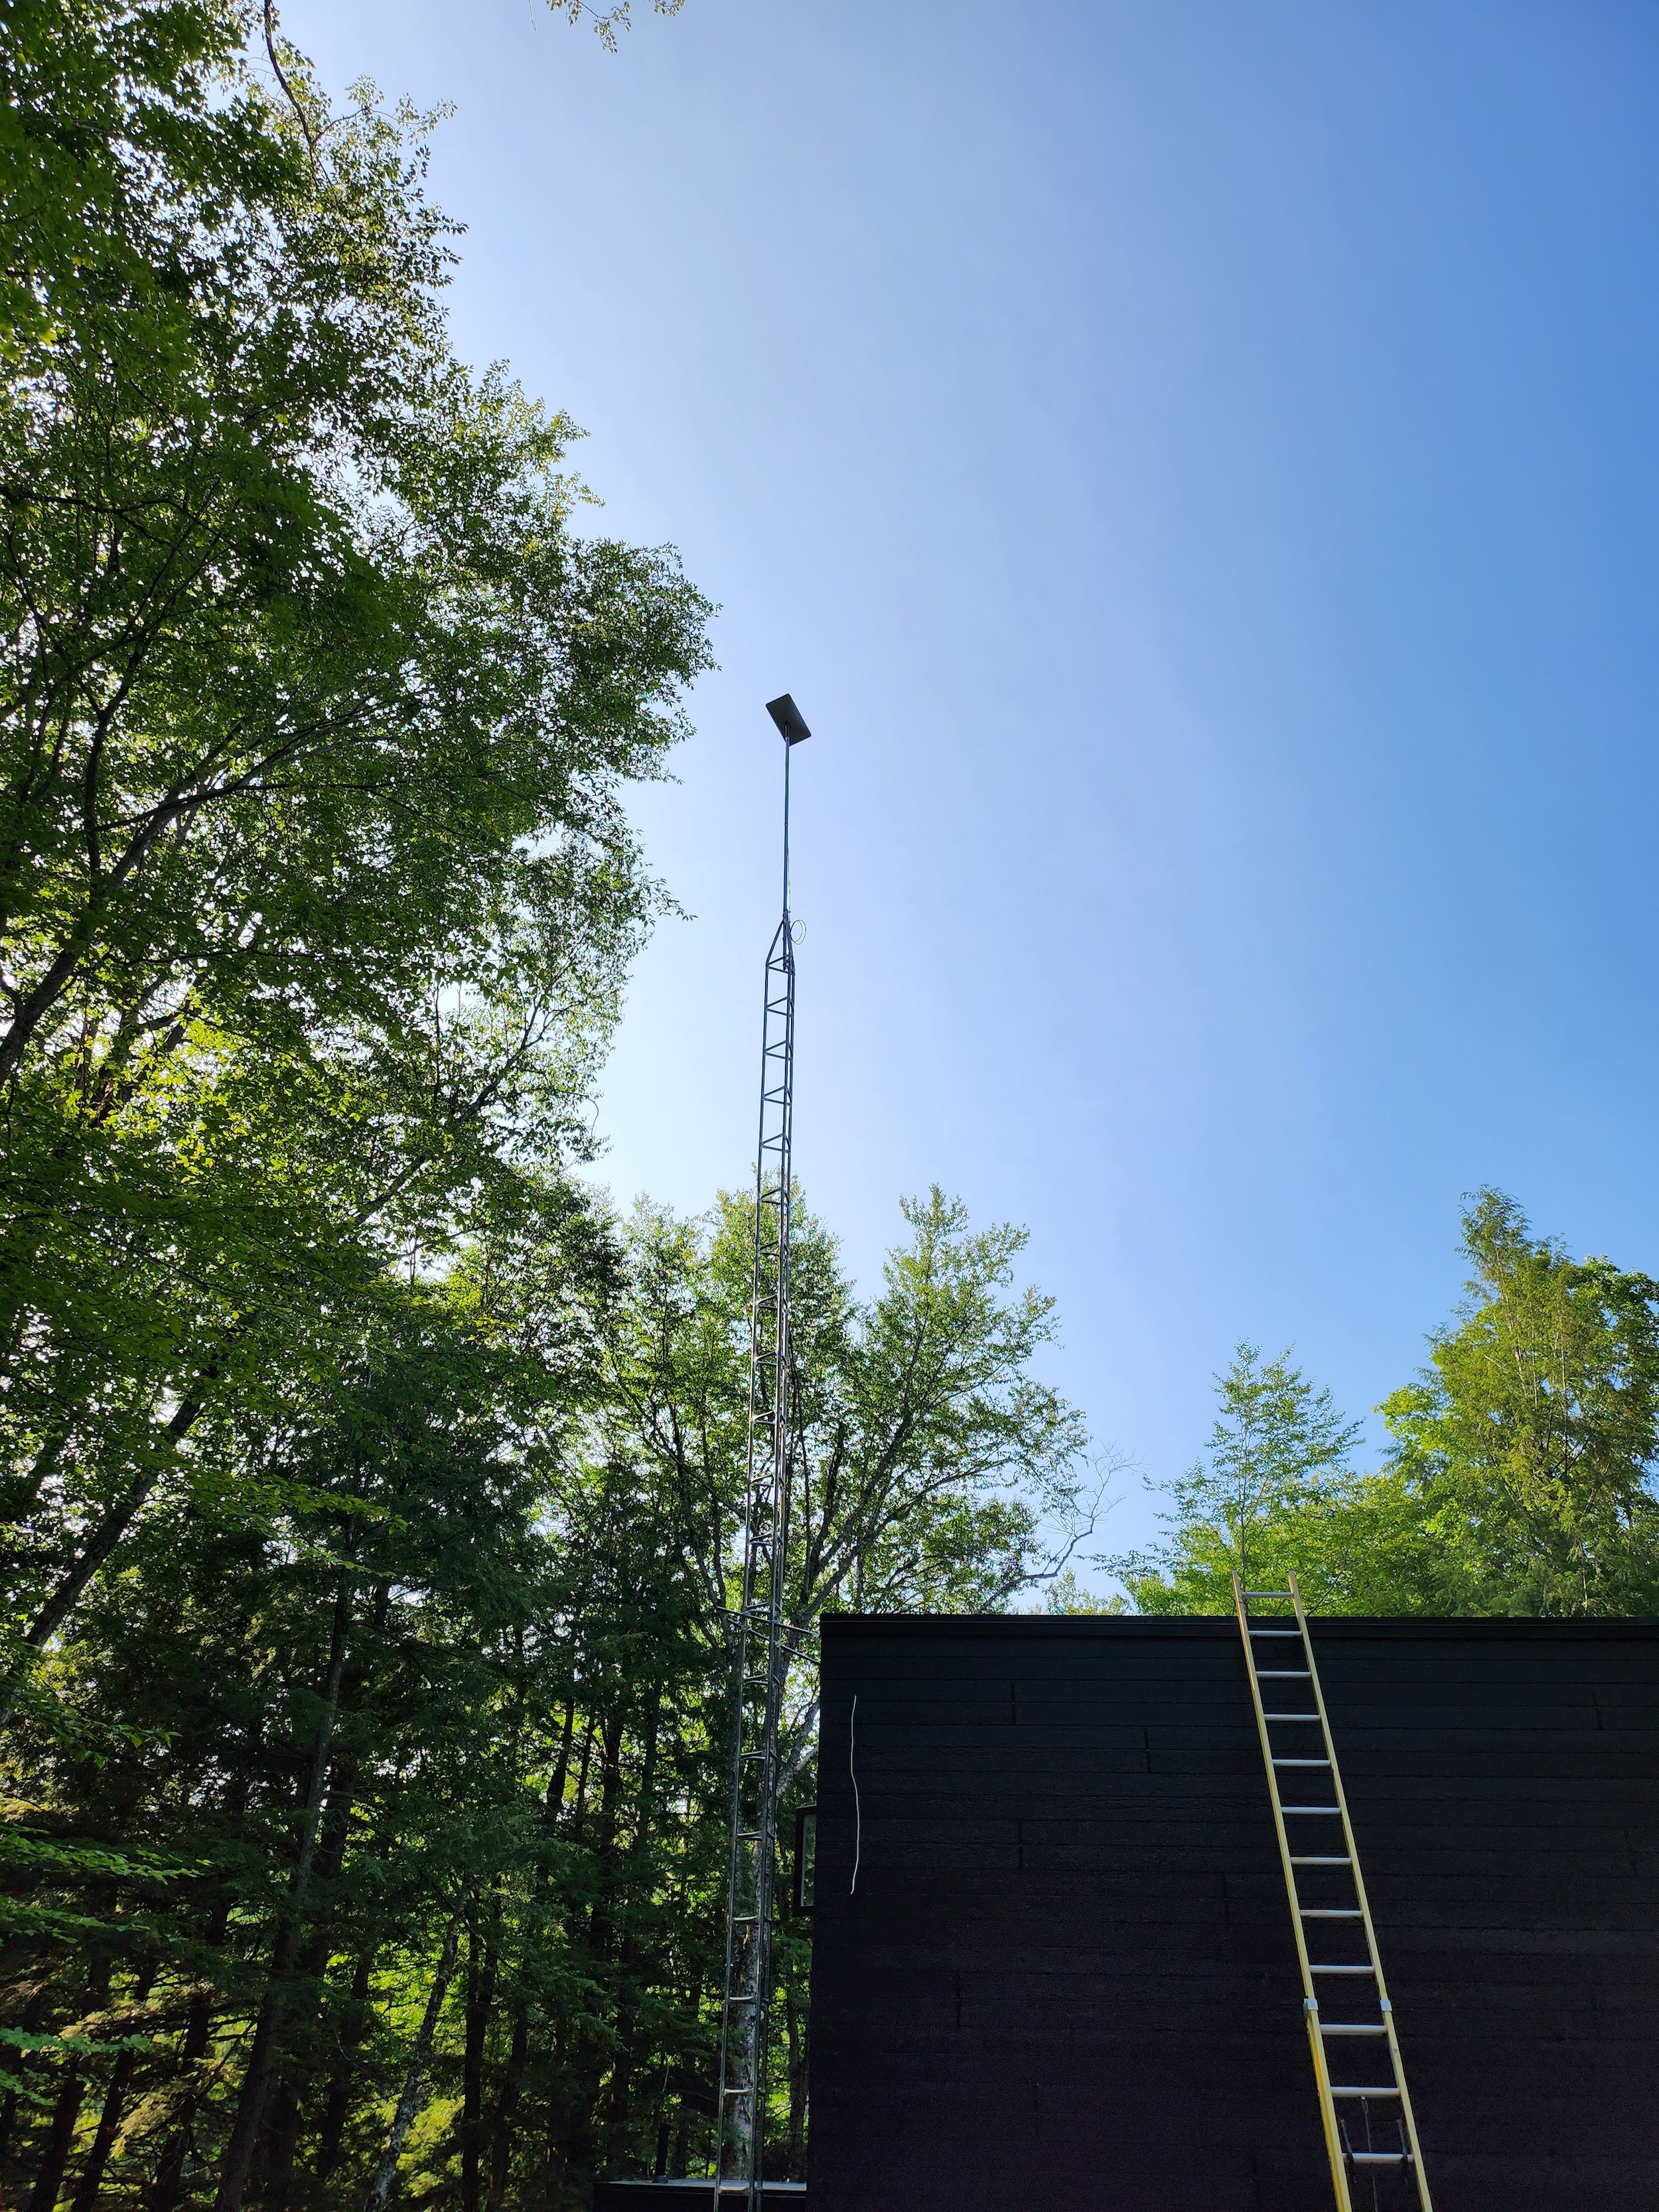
point(787, 716)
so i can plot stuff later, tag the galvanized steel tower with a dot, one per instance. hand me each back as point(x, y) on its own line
point(760, 1646)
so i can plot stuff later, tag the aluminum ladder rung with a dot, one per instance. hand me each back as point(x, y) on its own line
point(1335, 1809)
point(1305, 1861)
point(1290, 1716)
point(1353, 2028)
point(1315, 1969)
point(1353, 2089)
point(1281, 1674)
point(1381, 2157)
point(1250, 1594)
point(1330, 1912)
point(1275, 1632)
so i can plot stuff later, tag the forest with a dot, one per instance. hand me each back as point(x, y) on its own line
point(371, 1480)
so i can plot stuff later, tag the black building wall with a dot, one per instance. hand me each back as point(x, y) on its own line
point(1066, 1977)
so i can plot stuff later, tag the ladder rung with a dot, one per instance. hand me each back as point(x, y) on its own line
point(1280, 1770)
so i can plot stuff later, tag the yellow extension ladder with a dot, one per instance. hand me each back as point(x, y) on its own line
point(1355, 2112)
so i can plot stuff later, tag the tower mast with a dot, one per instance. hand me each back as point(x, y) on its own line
point(760, 1651)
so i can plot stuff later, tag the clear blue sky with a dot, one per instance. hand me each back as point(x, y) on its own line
point(1196, 467)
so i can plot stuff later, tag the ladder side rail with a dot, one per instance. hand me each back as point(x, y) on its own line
point(1364, 1903)
point(1309, 2000)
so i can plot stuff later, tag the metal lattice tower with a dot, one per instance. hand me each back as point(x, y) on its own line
point(760, 1654)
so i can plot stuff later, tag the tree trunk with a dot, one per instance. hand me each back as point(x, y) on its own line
point(64, 2113)
point(682, 2150)
point(555, 1802)
point(507, 2106)
point(578, 1811)
point(621, 2073)
point(413, 2095)
point(279, 2139)
point(795, 2022)
point(480, 2003)
point(339, 2085)
point(60, 2137)
point(681, 2157)
point(278, 2144)
point(512, 2088)
point(262, 2056)
point(169, 2184)
point(109, 2119)
point(581, 2141)
point(555, 2157)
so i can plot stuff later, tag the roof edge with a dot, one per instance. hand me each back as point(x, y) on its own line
point(1070, 1628)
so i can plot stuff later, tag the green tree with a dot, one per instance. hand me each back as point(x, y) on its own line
point(607, 21)
point(376, 1819)
point(316, 886)
point(1529, 1446)
point(1275, 1470)
point(1522, 1473)
point(931, 1469)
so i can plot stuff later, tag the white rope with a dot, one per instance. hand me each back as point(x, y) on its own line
point(858, 1810)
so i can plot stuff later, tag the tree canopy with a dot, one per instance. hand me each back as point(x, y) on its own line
point(316, 714)
point(1522, 1472)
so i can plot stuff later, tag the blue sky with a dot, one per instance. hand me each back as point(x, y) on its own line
point(1196, 466)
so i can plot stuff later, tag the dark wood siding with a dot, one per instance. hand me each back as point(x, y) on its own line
point(1066, 1980)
